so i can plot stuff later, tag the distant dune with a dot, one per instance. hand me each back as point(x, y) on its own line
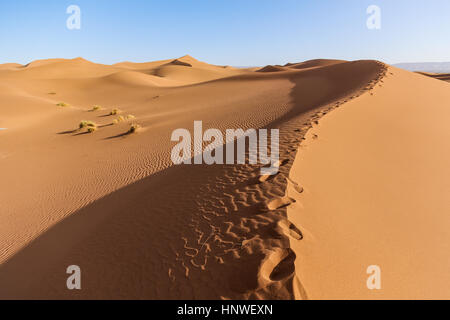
point(8, 66)
point(314, 63)
point(111, 201)
point(434, 67)
point(272, 69)
point(439, 76)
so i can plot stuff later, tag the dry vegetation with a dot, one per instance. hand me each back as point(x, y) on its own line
point(134, 128)
point(115, 112)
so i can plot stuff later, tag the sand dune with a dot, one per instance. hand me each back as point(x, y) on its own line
point(134, 78)
point(316, 63)
point(60, 69)
point(177, 70)
point(9, 66)
point(272, 69)
point(114, 203)
point(381, 163)
point(439, 76)
point(310, 64)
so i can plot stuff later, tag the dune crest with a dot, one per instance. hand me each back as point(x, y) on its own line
point(316, 63)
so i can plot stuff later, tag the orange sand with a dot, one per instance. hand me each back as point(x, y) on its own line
point(140, 227)
point(377, 181)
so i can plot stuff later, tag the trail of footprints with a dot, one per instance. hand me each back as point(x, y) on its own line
point(247, 217)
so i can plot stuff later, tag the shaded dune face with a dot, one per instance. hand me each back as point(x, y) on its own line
point(272, 69)
point(177, 62)
point(317, 63)
point(114, 204)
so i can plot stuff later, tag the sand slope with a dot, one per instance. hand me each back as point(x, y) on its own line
point(114, 204)
point(376, 178)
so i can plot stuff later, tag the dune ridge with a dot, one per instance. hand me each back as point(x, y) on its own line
point(439, 76)
point(113, 203)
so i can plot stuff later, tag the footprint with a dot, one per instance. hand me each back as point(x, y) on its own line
point(280, 203)
point(277, 164)
point(278, 265)
point(289, 229)
point(280, 163)
point(298, 188)
point(305, 128)
point(285, 268)
point(265, 178)
point(171, 275)
point(283, 162)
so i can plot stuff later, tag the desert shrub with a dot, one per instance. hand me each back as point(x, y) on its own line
point(130, 117)
point(91, 129)
point(134, 128)
point(96, 107)
point(62, 104)
point(86, 123)
point(114, 112)
point(118, 119)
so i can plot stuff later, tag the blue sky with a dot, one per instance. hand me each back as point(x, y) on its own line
point(232, 32)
